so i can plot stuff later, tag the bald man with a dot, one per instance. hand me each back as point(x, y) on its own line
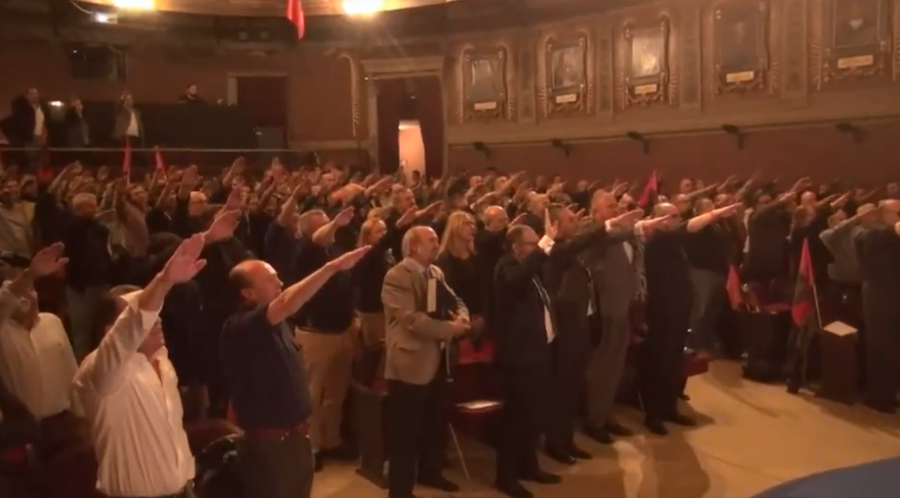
point(881, 296)
point(669, 293)
point(422, 316)
point(270, 390)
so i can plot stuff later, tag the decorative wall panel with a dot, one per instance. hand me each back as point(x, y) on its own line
point(566, 81)
point(485, 75)
point(525, 79)
point(740, 45)
point(605, 68)
point(691, 68)
point(646, 72)
point(795, 36)
point(851, 41)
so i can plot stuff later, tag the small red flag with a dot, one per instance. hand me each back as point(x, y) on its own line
point(733, 286)
point(648, 197)
point(126, 161)
point(160, 165)
point(804, 305)
point(295, 15)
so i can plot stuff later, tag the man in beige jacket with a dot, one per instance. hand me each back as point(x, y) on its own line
point(422, 316)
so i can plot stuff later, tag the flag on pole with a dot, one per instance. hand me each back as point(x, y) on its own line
point(733, 286)
point(805, 307)
point(651, 191)
point(126, 161)
point(295, 15)
point(160, 165)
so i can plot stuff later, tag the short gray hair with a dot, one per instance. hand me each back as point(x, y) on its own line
point(411, 238)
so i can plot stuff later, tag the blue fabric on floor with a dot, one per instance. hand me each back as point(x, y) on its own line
point(879, 479)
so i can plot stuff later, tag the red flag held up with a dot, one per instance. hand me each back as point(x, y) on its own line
point(648, 197)
point(126, 161)
point(295, 15)
point(804, 307)
point(733, 287)
point(160, 165)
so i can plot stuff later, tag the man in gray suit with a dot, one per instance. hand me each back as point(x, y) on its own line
point(423, 315)
point(614, 283)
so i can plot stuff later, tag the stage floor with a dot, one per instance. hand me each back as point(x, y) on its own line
point(751, 437)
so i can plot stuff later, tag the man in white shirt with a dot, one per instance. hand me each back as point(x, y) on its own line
point(36, 359)
point(129, 392)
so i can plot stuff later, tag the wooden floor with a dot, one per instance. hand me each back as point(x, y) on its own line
point(750, 437)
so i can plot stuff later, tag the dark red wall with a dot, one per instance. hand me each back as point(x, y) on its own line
point(819, 152)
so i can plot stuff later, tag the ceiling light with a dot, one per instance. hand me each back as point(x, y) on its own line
point(135, 4)
point(362, 7)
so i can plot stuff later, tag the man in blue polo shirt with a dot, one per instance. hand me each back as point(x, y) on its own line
point(270, 390)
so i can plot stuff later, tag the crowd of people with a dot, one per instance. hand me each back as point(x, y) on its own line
point(263, 291)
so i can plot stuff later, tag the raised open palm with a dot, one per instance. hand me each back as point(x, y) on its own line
point(48, 260)
point(348, 260)
point(185, 263)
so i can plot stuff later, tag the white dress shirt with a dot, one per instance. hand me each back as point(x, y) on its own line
point(37, 365)
point(135, 414)
point(133, 129)
point(546, 245)
point(38, 121)
point(629, 250)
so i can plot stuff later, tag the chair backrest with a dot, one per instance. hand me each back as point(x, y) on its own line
point(201, 433)
point(71, 473)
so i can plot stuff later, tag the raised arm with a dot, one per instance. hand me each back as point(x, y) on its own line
point(294, 297)
point(47, 261)
point(140, 316)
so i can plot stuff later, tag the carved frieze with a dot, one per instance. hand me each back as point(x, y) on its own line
point(566, 81)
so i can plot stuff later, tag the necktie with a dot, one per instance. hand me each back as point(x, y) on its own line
point(545, 299)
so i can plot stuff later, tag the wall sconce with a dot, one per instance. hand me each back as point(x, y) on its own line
point(558, 144)
point(736, 133)
point(637, 137)
point(483, 148)
point(850, 129)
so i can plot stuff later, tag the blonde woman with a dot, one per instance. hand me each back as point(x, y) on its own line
point(369, 276)
point(463, 269)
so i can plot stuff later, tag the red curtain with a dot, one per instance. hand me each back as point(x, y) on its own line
point(390, 97)
point(264, 98)
point(430, 112)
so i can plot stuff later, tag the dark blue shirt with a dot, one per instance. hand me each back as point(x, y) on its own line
point(331, 309)
point(268, 380)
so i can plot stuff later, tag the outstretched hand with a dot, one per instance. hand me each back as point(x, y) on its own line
point(48, 260)
point(627, 220)
point(551, 228)
point(185, 263)
point(348, 260)
point(223, 226)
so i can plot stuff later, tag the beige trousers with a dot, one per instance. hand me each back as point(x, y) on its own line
point(372, 328)
point(329, 363)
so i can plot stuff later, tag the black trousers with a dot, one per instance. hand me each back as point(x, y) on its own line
point(525, 394)
point(662, 360)
point(276, 467)
point(417, 427)
point(882, 315)
point(571, 352)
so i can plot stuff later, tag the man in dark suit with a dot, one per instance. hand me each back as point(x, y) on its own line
point(27, 124)
point(568, 282)
point(525, 330)
point(881, 294)
point(423, 315)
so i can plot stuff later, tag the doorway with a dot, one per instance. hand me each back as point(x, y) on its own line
point(406, 114)
point(263, 98)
